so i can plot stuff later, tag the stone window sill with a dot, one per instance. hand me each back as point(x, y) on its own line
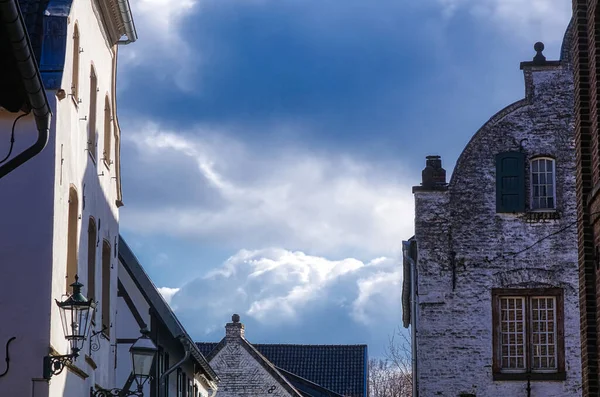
point(542, 215)
point(536, 376)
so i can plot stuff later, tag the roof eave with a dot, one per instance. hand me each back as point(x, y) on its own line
point(128, 23)
point(32, 82)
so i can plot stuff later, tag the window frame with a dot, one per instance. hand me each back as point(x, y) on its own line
point(91, 288)
point(92, 139)
point(108, 131)
point(528, 293)
point(76, 64)
point(72, 258)
point(553, 160)
point(106, 291)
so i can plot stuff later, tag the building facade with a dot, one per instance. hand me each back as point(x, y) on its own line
point(492, 268)
point(60, 216)
point(585, 47)
point(180, 369)
point(285, 370)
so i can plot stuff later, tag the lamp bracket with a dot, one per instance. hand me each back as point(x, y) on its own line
point(100, 392)
point(95, 344)
point(54, 365)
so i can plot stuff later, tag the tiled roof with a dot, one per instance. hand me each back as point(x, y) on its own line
point(33, 12)
point(340, 368)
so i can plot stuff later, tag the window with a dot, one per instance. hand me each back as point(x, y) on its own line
point(91, 273)
point(75, 71)
point(180, 382)
point(72, 232)
point(543, 190)
point(107, 131)
point(510, 182)
point(106, 286)
point(91, 142)
point(528, 334)
point(165, 368)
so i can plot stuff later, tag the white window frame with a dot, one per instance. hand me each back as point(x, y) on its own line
point(531, 185)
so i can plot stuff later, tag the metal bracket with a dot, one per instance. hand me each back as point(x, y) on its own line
point(95, 345)
point(114, 392)
point(7, 357)
point(54, 365)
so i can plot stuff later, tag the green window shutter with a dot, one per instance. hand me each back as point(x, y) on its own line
point(510, 182)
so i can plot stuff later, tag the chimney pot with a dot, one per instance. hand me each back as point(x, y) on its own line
point(234, 329)
point(433, 174)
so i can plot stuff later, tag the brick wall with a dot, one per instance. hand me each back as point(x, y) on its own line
point(584, 47)
point(466, 248)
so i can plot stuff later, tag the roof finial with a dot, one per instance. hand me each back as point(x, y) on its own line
point(235, 318)
point(539, 58)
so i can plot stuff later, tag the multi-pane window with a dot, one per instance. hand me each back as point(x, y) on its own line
point(542, 183)
point(528, 336)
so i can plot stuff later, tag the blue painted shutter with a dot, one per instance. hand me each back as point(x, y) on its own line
point(510, 182)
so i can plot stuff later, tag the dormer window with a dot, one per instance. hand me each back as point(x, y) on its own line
point(543, 187)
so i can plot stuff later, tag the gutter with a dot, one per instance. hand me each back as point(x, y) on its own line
point(130, 31)
point(32, 81)
point(407, 247)
point(164, 376)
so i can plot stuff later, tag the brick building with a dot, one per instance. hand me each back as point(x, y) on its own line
point(492, 272)
point(285, 370)
point(586, 46)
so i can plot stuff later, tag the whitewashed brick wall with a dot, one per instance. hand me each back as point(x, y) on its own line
point(460, 237)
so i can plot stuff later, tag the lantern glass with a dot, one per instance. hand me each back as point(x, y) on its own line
point(142, 352)
point(76, 312)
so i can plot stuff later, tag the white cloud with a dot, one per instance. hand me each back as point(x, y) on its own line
point(524, 18)
point(160, 40)
point(168, 293)
point(276, 288)
point(223, 191)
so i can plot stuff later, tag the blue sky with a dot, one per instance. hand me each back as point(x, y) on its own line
point(269, 148)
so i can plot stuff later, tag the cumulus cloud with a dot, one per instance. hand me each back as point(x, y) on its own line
point(168, 293)
point(207, 186)
point(525, 18)
point(291, 293)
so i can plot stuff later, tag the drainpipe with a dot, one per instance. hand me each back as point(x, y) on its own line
point(163, 377)
point(32, 81)
point(128, 22)
point(413, 316)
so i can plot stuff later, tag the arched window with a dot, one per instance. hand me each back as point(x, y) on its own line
point(91, 142)
point(75, 71)
point(91, 271)
point(107, 131)
point(72, 231)
point(106, 286)
point(543, 185)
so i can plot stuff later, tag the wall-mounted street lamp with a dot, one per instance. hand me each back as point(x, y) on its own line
point(75, 313)
point(143, 352)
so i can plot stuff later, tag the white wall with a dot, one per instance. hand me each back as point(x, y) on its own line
point(33, 235)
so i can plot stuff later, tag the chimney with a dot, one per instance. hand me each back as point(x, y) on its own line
point(433, 175)
point(234, 329)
